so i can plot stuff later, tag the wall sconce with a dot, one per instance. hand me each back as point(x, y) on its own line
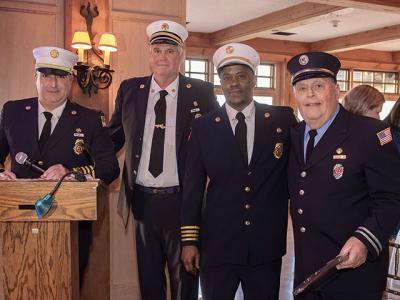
point(92, 77)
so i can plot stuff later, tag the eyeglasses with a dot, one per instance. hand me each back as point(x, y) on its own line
point(227, 78)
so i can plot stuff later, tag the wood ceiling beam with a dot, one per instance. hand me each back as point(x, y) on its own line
point(377, 5)
point(297, 15)
point(357, 40)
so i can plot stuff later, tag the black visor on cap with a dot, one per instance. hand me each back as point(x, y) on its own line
point(308, 75)
point(163, 41)
point(51, 71)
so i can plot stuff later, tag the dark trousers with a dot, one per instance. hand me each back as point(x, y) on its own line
point(258, 282)
point(313, 295)
point(158, 244)
point(85, 241)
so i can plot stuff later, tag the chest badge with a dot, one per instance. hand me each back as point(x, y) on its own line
point(278, 151)
point(78, 148)
point(338, 170)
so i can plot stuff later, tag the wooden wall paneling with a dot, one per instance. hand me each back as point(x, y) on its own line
point(167, 9)
point(25, 26)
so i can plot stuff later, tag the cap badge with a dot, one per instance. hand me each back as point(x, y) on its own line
point(303, 60)
point(278, 151)
point(164, 26)
point(338, 171)
point(54, 53)
point(229, 49)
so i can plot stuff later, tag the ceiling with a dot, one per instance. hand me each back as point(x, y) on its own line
point(327, 25)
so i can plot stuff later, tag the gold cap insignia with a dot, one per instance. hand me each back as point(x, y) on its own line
point(217, 119)
point(303, 60)
point(142, 86)
point(28, 108)
point(164, 26)
point(278, 151)
point(339, 150)
point(73, 112)
point(229, 49)
point(195, 103)
point(278, 130)
point(78, 148)
point(54, 53)
point(266, 115)
point(188, 85)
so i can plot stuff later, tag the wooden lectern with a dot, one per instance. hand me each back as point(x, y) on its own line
point(39, 258)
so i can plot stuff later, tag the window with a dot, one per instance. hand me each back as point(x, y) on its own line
point(385, 82)
point(196, 68)
point(265, 76)
point(342, 79)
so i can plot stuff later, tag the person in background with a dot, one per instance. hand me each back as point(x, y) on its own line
point(364, 100)
point(344, 185)
point(51, 130)
point(394, 120)
point(152, 117)
point(235, 198)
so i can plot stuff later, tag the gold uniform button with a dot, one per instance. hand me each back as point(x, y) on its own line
point(303, 174)
point(247, 206)
point(300, 211)
point(301, 192)
point(302, 229)
point(40, 162)
point(247, 189)
point(247, 223)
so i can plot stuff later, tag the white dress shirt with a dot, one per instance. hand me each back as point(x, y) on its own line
point(250, 117)
point(54, 119)
point(169, 176)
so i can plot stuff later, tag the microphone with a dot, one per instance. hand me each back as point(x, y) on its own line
point(23, 159)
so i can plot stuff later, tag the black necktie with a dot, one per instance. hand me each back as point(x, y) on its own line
point(46, 131)
point(310, 145)
point(157, 144)
point(241, 135)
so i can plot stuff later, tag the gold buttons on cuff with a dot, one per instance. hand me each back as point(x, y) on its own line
point(247, 223)
point(301, 192)
point(300, 211)
point(247, 189)
point(247, 206)
point(303, 174)
point(302, 229)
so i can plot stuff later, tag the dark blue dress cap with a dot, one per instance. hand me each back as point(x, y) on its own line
point(312, 65)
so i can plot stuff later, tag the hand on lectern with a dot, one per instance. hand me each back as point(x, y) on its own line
point(7, 175)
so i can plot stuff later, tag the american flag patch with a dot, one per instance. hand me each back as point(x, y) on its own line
point(384, 136)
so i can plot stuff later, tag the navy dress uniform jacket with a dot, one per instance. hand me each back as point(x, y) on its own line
point(243, 218)
point(195, 97)
point(349, 187)
point(19, 133)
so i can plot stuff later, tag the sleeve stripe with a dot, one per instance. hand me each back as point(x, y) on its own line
point(190, 227)
point(189, 235)
point(190, 231)
point(189, 239)
point(371, 235)
point(369, 240)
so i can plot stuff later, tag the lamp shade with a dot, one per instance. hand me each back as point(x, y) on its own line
point(108, 42)
point(81, 39)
